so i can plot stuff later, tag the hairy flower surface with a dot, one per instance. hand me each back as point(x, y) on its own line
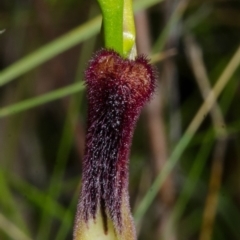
point(117, 89)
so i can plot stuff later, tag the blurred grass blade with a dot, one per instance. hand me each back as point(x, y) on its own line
point(65, 146)
point(36, 196)
point(9, 205)
point(153, 190)
point(61, 44)
point(230, 213)
point(11, 230)
point(163, 37)
point(193, 177)
point(66, 225)
point(189, 133)
point(139, 5)
point(34, 102)
point(190, 224)
point(198, 166)
point(50, 50)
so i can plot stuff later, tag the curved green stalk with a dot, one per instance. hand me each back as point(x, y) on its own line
point(118, 26)
point(129, 34)
point(112, 11)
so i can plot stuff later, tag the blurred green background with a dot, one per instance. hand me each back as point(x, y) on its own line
point(185, 163)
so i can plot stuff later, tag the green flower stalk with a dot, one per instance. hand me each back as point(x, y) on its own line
point(118, 86)
point(112, 12)
point(129, 34)
point(119, 27)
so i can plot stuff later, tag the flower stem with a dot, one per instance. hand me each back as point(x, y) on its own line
point(112, 11)
point(129, 33)
point(119, 27)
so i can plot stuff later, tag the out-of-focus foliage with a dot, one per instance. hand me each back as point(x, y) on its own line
point(42, 141)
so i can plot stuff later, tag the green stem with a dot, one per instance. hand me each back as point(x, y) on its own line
point(118, 26)
point(129, 34)
point(112, 11)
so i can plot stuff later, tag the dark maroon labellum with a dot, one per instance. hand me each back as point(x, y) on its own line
point(117, 89)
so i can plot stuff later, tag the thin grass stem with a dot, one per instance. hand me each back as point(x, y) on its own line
point(189, 133)
point(45, 98)
point(12, 230)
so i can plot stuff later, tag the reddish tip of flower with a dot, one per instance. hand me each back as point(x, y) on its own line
point(117, 89)
point(109, 70)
